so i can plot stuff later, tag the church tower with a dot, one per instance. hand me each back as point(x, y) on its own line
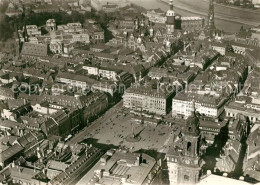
point(170, 19)
point(211, 21)
point(183, 158)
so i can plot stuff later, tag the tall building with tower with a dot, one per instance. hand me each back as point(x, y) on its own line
point(183, 158)
point(211, 21)
point(170, 19)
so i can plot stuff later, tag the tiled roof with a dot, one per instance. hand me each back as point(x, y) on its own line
point(10, 152)
point(31, 49)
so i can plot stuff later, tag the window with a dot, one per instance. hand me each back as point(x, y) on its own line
point(189, 147)
point(186, 178)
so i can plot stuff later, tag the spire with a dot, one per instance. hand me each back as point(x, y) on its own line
point(211, 21)
point(193, 110)
point(171, 4)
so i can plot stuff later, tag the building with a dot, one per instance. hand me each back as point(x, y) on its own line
point(183, 158)
point(228, 160)
point(10, 154)
point(192, 23)
point(127, 23)
point(248, 107)
point(51, 25)
point(74, 80)
point(256, 3)
point(142, 98)
point(78, 168)
point(252, 159)
point(68, 121)
point(30, 142)
point(121, 167)
point(206, 104)
point(156, 16)
point(110, 7)
point(219, 47)
point(210, 129)
point(32, 30)
point(253, 57)
point(26, 175)
point(98, 4)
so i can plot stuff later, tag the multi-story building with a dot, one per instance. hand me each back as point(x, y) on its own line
point(206, 104)
point(110, 7)
point(219, 47)
point(252, 158)
point(80, 81)
point(98, 4)
point(246, 106)
point(192, 23)
point(30, 142)
point(32, 30)
point(156, 16)
point(68, 121)
point(104, 72)
point(127, 23)
point(121, 167)
point(97, 34)
point(83, 37)
point(78, 168)
point(51, 25)
point(142, 98)
point(75, 27)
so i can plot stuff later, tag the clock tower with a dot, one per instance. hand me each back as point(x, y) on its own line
point(183, 157)
point(170, 19)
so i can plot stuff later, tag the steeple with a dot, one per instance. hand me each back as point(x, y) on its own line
point(170, 19)
point(193, 110)
point(171, 4)
point(211, 21)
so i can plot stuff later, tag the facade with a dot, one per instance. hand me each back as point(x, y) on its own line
point(98, 4)
point(208, 105)
point(32, 30)
point(105, 72)
point(192, 23)
point(127, 23)
point(109, 8)
point(219, 47)
point(156, 16)
point(248, 109)
point(51, 25)
point(183, 158)
point(210, 129)
point(147, 99)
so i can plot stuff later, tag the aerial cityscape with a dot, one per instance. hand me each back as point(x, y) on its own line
point(129, 92)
